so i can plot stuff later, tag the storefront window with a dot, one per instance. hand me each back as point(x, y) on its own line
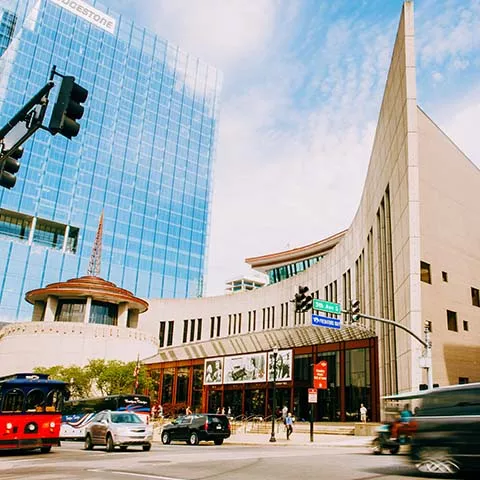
point(303, 368)
point(154, 394)
point(182, 384)
point(167, 391)
point(328, 405)
point(233, 402)
point(214, 401)
point(197, 393)
point(255, 402)
point(357, 382)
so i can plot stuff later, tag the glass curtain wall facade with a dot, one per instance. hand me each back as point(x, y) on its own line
point(143, 156)
point(351, 381)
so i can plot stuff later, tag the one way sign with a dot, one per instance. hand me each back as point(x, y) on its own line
point(328, 322)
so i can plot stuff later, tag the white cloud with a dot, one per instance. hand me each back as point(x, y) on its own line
point(460, 122)
point(299, 109)
point(448, 30)
point(220, 32)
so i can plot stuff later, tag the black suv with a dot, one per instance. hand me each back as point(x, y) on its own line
point(447, 438)
point(196, 428)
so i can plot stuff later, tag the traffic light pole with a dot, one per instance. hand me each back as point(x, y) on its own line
point(426, 343)
point(66, 111)
point(22, 114)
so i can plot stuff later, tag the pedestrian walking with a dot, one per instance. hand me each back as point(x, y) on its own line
point(363, 413)
point(289, 424)
point(188, 411)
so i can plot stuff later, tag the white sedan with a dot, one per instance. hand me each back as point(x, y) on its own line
point(118, 429)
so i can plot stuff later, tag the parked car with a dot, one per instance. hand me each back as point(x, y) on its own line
point(196, 428)
point(118, 429)
point(447, 437)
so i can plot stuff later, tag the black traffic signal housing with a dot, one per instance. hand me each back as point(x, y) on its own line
point(9, 166)
point(68, 109)
point(303, 302)
point(355, 310)
point(428, 326)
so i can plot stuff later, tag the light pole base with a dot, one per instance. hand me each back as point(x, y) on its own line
point(272, 438)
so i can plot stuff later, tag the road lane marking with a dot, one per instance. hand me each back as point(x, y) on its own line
point(142, 475)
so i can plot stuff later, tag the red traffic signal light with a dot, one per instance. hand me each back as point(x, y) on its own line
point(68, 109)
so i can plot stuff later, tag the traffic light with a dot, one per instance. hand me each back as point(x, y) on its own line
point(355, 310)
point(68, 109)
point(428, 326)
point(9, 166)
point(303, 302)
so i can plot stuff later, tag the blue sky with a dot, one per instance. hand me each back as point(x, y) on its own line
point(303, 83)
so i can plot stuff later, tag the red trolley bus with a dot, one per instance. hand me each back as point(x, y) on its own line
point(30, 411)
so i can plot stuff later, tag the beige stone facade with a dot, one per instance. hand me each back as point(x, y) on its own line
point(419, 204)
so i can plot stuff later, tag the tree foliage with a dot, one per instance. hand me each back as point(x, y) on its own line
point(100, 377)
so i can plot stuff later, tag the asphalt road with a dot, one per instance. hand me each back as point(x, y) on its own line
point(205, 462)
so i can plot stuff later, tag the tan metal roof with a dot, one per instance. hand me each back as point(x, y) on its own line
point(298, 336)
point(272, 260)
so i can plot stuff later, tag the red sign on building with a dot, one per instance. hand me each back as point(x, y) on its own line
point(320, 371)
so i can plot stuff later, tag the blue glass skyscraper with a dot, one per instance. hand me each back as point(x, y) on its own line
point(143, 156)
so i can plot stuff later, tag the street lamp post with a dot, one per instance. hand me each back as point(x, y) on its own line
point(274, 399)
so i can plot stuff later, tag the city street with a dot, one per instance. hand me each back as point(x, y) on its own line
point(206, 461)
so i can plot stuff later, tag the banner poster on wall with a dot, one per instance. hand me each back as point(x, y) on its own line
point(213, 371)
point(284, 366)
point(246, 368)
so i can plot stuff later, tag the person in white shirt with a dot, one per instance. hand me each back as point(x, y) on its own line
point(363, 413)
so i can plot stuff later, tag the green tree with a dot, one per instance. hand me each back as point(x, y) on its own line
point(99, 376)
point(78, 379)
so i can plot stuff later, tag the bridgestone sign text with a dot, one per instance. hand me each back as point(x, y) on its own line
point(88, 13)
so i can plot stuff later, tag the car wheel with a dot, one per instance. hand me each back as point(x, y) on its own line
point(146, 448)
point(166, 438)
point(88, 443)
point(123, 448)
point(377, 446)
point(218, 441)
point(110, 445)
point(193, 439)
point(437, 461)
point(45, 449)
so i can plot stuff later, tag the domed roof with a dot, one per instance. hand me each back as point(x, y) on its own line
point(88, 286)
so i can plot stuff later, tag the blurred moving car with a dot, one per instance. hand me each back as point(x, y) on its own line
point(196, 428)
point(447, 437)
point(118, 429)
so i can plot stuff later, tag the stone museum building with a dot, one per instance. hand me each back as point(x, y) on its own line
point(410, 255)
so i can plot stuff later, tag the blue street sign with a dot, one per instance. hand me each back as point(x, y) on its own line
point(328, 322)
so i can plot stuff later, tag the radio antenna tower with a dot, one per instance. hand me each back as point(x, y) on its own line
point(95, 262)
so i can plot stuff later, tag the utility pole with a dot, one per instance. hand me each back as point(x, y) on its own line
point(427, 343)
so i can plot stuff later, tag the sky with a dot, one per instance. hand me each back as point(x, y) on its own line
point(303, 81)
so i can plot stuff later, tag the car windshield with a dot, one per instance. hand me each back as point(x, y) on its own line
point(125, 418)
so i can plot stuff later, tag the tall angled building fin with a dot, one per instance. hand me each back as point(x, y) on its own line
point(95, 263)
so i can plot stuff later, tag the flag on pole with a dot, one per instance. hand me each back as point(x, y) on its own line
point(136, 372)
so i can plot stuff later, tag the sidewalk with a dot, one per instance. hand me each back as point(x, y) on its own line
point(297, 438)
point(300, 438)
